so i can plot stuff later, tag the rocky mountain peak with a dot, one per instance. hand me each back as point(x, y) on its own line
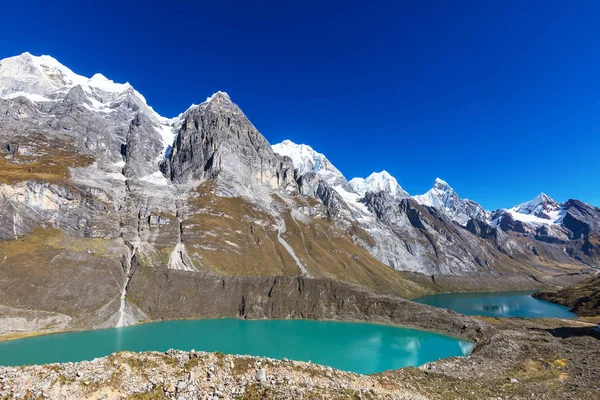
point(376, 182)
point(442, 197)
point(442, 185)
point(542, 206)
point(219, 97)
point(216, 140)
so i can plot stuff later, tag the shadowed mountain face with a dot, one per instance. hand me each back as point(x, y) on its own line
point(97, 190)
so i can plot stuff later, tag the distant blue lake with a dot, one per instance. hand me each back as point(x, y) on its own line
point(357, 347)
point(498, 304)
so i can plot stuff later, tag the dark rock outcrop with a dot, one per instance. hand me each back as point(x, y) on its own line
point(210, 296)
point(482, 229)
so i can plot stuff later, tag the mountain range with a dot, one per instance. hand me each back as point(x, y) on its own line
point(112, 214)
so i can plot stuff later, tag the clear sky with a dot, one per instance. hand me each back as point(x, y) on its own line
point(499, 98)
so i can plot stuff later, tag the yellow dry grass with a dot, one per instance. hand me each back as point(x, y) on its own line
point(50, 164)
point(234, 237)
point(223, 235)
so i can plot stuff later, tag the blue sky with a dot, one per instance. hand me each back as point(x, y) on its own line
point(499, 98)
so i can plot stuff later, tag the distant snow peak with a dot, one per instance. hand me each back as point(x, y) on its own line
point(542, 210)
point(542, 206)
point(306, 159)
point(442, 197)
point(377, 182)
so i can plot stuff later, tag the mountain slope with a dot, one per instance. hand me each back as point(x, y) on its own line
point(583, 298)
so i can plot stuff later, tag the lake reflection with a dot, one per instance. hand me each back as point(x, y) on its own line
point(498, 304)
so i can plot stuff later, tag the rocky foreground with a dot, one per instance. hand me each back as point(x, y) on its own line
point(518, 359)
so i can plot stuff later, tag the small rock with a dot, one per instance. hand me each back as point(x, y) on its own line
point(170, 388)
point(329, 372)
point(181, 385)
point(514, 380)
point(261, 376)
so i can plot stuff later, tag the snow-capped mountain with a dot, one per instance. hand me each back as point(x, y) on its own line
point(445, 199)
point(42, 79)
point(542, 207)
point(306, 159)
point(540, 211)
point(542, 214)
point(377, 182)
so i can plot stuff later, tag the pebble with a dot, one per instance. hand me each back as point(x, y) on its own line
point(170, 388)
point(261, 376)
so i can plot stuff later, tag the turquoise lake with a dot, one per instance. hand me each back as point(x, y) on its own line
point(357, 347)
point(498, 304)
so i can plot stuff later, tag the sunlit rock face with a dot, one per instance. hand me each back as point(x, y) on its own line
point(217, 141)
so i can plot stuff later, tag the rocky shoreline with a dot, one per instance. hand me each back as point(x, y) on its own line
point(189, 375)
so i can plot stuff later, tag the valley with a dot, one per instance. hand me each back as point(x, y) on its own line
point(112, 215)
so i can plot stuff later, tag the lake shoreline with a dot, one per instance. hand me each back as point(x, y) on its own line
point(358, 347)
point(522, 357)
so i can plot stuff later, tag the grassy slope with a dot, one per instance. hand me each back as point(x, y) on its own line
point(583, 298)
point(48, 161)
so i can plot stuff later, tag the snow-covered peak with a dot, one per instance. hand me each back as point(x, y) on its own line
point(441, 185)
point(542, 206)
point(101, 82)
point(442, 197)
point(36, 75)
point(439, 196)
point(43, 78)
point(377, 182)
point(306, 159)
point(219, 95)
point(542, 210)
